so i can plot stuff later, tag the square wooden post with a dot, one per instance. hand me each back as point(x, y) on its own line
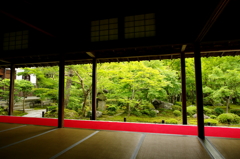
point(61, 93)
point(11, 90)
point(199, 91)
point(94, 88)
point(183, 79)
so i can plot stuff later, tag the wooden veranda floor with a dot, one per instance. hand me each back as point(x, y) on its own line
point(29, 141)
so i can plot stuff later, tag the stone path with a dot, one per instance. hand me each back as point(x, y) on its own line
point(34, 113)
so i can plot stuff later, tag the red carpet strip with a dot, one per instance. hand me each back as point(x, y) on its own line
point(123, 126)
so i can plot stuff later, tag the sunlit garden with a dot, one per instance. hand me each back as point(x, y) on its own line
point(146, 92)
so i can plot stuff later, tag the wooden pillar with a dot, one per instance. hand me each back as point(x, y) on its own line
point(61, 93)
point(11, 90)
point(183, 77)
point(199, 91)
point(94, 88)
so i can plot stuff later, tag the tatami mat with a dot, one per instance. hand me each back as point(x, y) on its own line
point(47, 145)
point(105, 145)
point(170, 147)
point(15, 135)
point(5, 126)
point(42, 142)
point(229, 148)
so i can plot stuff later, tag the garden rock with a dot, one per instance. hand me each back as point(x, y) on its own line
point(98, 113)
point(101, 101)
point(157, 111)
point(101, 97)
point(160, 104)
point(101, 105)
point(205, 116)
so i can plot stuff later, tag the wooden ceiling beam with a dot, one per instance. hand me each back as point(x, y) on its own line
point(183, 48)
point(216, 13)
point(26, 23)
point(222, 54)
point(91, 54)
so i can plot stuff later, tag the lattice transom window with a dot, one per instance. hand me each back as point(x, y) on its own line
point(140, 26)
point(15, 40)
point(104, 30)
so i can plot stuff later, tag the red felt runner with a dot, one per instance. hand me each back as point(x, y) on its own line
point(124, 126)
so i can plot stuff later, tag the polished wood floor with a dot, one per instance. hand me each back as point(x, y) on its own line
point(33, 142)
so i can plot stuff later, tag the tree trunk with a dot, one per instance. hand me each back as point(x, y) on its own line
point(173, 99)
point(41, 103)
point(129, 109)
point(23, 104)
point(68, 87)
point(84, 104)
point(133, 93)
point(228, 103)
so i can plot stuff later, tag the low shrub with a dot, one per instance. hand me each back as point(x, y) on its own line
point(228, 118)
point(145, 107)
point(89, 113)
point(163, 113)
point(111, 113)
point(177, 113)
point(50, 108)
point(145, 111)
point(136, 113)
point(213, 116)
point(112, 108)
point(68, 114)
point(104, 112)
point(218, 111)
point(235, 111)
point(2, 111)
point(207, 111)
point(152, 113)
point(171, 121)
point(191, 110)
point(176, 107)
point(212, 122)
point(189, 103)
point(178, 103)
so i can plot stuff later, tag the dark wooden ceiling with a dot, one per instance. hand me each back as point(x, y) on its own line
point(212, 23)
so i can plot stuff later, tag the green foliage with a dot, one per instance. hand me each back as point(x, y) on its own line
point(218, 111)
point(177, 113)
point(2, 111)
point(235, 111)
point(68, 114)
point(89, 113)
point(189, 103)
point(145, 111)
point(171, 121)
point(112, 108)
point(176, 107)
point(136, 113)
point(207, 111)
point(111, 113)
point(178, 103)
point(228, 118)
point(20, 86)
point(133, 85)
point(191, 110)
point(212, 122)
point(50, 108)
point(213, 116)
point(152, 113)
